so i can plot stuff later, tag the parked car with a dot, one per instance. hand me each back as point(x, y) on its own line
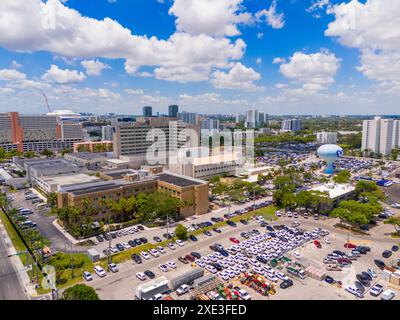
point(180, 243)
point(182, 290)
point(217, 230)
point(386, 254)
point(380, 264)
point(157, 239)
point(163, 268)
point(234, 240)
point(286, 284)
point(376, 290)
point(113, 267)
point(136, 258)
point(141, 276)
point(355, 291)
point(150, 274)
point(87, 276)
point(387, 295)
point(196, 255)
point(193, 238)
point(183, 260)
point(99, 271)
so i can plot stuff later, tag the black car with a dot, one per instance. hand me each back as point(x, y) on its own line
point(366, 275)
point(363, 280)
point(120, 247)
point(138, 242)
point(329, 279)
point(192, 237)
point(245, 222)
point(107, 237)
point(141, 228)
point(262, 259)
point(113, 235)
point(223, 252)
point(363, 249)
point(150, 274)
point(340, 253)
point(217, 266)
point(196, 255)
point(395, 248)
point(286, 284)
point(135, 257)
point(132, 243)
point(380, 264)
point(143, 239)
point(207, 233)
point(255, 231)
point(217, 230)
point(359, 286)
point(269, 228)
point(263, 224)
point(231, 223)
point(386, 254)
point(99, 238)
point(157, 239)
point(213, 247)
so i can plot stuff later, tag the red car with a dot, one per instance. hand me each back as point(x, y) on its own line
point(234, 240)
point(190, 258)
point(349, 245)
point(317, 244)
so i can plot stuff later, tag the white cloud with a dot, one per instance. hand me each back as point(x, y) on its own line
point(314, 71)
point(211, 17)
point(318, 5)
point(94, 67)
point(53, 27)
point(134, 92)
point(278, 60)
point(60, 76)
point(373, 28)
point(238, 77)
point(260, 35)
point(259, 61)
point(272, 17)
point(11, 75)
point(15, 65)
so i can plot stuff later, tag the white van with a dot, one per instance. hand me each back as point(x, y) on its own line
point(387, 295)
point(182, 289)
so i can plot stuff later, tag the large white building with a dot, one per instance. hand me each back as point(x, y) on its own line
point(107, 133)
point(380, 135)
point(327, 137)
point(291, 125)
point(252, 118)
point(209, 124)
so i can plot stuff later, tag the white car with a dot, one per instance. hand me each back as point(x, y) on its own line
point(180, 243)
point(171, 245)
point(211, 269)
point(145, 255)
point(113, 267)
point(126, 246)
point(282, 276)
point(87, 276)
point(243, 294)
point(182, 289)
point(353, 290)
point(141, 276)
point(161, 249)
point(376, 290)
point(171, 264)
point(163, 267)
point(154, 253)
point(99, 271)
point(327, 241)
point(387, 295)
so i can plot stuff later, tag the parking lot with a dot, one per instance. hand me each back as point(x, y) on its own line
point(122, 284)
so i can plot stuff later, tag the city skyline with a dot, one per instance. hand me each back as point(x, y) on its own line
point(280, 57)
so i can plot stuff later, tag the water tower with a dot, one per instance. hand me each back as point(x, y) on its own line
point(330, 153)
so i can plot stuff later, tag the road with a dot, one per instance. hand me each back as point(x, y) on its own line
point(10, 286)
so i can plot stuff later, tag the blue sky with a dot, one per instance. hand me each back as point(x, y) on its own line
point(208, 56)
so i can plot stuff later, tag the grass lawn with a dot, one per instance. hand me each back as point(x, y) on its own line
point(268, 213)
point(12, 233)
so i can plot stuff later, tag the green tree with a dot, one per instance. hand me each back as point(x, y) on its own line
point(181, 232)
point(395, 222)
point(52, 199)
point(342, 177)
point(47, 153)
point(80, 292)
point(29, 154)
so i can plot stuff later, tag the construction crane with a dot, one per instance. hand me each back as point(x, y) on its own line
point(47, 102)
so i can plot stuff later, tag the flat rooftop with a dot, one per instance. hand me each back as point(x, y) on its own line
point(180, 181)
point(215, 159)
point(69, 179)
point(90, 155)
point(335, 190)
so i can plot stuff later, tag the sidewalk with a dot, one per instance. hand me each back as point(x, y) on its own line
point(20, 269)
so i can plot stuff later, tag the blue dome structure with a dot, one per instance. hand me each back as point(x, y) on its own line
point(329, 153)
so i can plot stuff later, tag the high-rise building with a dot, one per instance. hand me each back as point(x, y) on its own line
point(252, 119)
point(380, 135)
point(107, 133)
point(147, 111)
point(262, 119)
point(239, 118)
point(131, 138)
point(209, 124)
point(173, 111)
point(327, 137)
point(38, 132)
point(291, 125)
point(188, 117)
